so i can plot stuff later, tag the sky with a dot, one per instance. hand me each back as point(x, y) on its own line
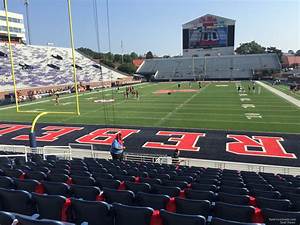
point(156, 25)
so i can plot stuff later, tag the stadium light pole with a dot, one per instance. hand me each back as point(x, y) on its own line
point(26, 3)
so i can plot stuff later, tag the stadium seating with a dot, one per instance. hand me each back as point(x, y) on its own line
point(216, 67)
point(148, 200)
point(44, 70)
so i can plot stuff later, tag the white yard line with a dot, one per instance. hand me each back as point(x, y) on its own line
point(66, 97)
point(180, 106)
point(286, 97)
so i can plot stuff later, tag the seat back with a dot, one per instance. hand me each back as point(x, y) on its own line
point(50, 206)
point(6, 218)
point(200, 195)
point(26, 185)
point(89, 193)
point(138, 187)
point(233, 199)
point(170, 191)
point(17, 201)
point(115, 196)
point(92, 212)
point(155, 201)
point(6, 182)
point(279, 204)
point(193, 207)
point(26, 220)
point(179, 219)
point(274, 217)
point(56, 188)
point(132, 215)
point(233, 212)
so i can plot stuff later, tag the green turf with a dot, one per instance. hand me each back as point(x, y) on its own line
point(212, 107)
point(286, 89)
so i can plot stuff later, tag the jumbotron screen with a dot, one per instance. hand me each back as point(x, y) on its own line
point(208, 32)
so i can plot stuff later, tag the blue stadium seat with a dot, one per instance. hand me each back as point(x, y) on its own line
point(137, 187)
point(115, 196)
point(193, 207)
point(155, 201)
point(89, 193)
point(6, 182)
point(26, 220)
point(233, 199)
point(277, 217)
point(83, 180)
point(219, 221)
point(26, 185)
point(204, 187)
point(6, 218)
point(50, 206)
point(133, 215)
point(169, 218)
point(56, 188)
point(200, 195)
point(278, 204)
point(237, 213)
point(58, 177)
point(170, 191)
point(92, 212)
point(108, 183)
point(36, 175)
point(17, 201)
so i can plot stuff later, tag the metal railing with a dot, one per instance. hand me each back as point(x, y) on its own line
point(69, 152)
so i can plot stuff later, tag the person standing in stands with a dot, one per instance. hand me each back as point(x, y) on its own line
point(175, 157)
point(117, 148)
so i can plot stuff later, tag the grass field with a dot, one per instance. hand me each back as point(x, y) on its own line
point(286, 89)
point(214, 106)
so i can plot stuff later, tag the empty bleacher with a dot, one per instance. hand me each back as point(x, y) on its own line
point(106, 192)
point(40, 66)
point(210, 67)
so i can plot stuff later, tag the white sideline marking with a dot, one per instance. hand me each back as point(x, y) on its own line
point(288, 98)
point(222, 85)
point(72, 96)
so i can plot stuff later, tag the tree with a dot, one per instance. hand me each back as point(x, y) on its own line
point(149, 55)
point(297, 53)
point(127, 68)
point(118, 58)
point(291, 52)
point(275, 50)
point(250, 48)
point(133, 55)
point(127, 58)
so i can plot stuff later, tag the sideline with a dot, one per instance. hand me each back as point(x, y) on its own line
point(66, 97)
point(287, 97)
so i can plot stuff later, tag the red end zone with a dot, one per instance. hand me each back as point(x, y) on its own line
point(175, 91)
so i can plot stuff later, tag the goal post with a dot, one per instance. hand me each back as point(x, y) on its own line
point(32, 137)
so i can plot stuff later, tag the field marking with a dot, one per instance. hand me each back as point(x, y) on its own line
point(181, 106)
point(66, 97)
point(204, 120)
point(281, 94)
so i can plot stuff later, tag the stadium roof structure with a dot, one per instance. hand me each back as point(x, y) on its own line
point(201, 19)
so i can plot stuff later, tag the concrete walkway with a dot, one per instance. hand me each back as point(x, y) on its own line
point(288, 98)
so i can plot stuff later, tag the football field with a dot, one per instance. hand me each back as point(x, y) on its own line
point(216, 105)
